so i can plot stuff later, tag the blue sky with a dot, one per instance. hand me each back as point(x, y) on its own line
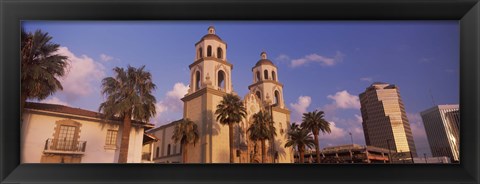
point(323, 64)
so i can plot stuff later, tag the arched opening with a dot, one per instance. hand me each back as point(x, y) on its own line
point(200, 53)
point(168, 149)
point(265, 74)
point(197, 80)
point(274, 77)
point(221, 79)
point(209, 51)
point(277, 98)
point(259, 95)
point(258, 76)
point(219, 53)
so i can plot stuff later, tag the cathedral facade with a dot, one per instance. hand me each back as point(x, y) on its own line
point(210, 80)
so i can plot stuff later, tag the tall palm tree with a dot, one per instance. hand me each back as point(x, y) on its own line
point(315, 122)
point(230, 111)
point(185, 132)
point(262, 129)
point(300, 138)
point(41, 66)
point(294, 127)
point(128, 96)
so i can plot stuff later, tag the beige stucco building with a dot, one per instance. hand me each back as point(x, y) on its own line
point(210, 80)
point(385, 122)
point(60, 134)
point(442, 125)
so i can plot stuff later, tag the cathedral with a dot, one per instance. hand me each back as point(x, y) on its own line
point(210, 80)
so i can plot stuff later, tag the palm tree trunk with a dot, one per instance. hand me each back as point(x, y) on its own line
point(184, 153)
point(317, 147)
point(230, 134)
point(264, 149)
point(127, 124)
point(302, 154)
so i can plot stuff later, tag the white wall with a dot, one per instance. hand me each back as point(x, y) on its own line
point(37, 128)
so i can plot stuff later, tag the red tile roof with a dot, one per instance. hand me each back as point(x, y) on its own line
point(72, 111)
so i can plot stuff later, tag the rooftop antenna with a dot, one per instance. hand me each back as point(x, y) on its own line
point(431, 96)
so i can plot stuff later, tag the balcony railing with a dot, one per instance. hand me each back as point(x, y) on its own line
point(65, 146)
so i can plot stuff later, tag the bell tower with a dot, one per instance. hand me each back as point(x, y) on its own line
point(266, 85)
point(210, 80)
point(269, 91)
point(211, 62)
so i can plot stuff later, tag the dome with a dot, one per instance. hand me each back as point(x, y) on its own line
point(264, 62)
point(211, 36)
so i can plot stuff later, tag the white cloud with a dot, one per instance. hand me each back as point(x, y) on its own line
point(171, 103)
point(368, 79)
point(105, 57)
point(300, 107)
point(337, 133)
point(345, 100)
point(341, 128)
point(282, 58)
point(316, 58)
point(83, 75)
point(358, 118)
point(425, 60)
point(54, 100)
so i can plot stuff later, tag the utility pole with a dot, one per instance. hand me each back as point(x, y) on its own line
point(425, 156)
point(351, 137)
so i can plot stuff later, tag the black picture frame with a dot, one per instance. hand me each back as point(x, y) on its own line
point(467, 12)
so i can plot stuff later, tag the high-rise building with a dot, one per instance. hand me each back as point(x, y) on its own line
point(442, 125)
point(385, 122)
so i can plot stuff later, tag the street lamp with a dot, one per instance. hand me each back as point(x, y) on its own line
point(351, 137)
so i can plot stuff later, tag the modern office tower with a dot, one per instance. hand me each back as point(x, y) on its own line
point(385, 122)
point(442, 125)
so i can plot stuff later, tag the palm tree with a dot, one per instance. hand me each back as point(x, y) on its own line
point(128, 96)
point(314, 122)
point(300, 138)
point(262, 129)
point(40, 66)
point(230, 111)
point(186, 131)
point(293, 127)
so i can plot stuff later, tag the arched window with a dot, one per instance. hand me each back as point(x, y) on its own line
point(197, 80)
point(258, 76)
point(265, 74)
point(259, 95)
point(274, 77)
point(209, 51)
point(200, 53)
point(277, 98)
point(168, 149)
point(221, 79)
point(219, 53)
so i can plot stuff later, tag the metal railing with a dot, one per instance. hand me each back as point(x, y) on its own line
point(65, 145)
